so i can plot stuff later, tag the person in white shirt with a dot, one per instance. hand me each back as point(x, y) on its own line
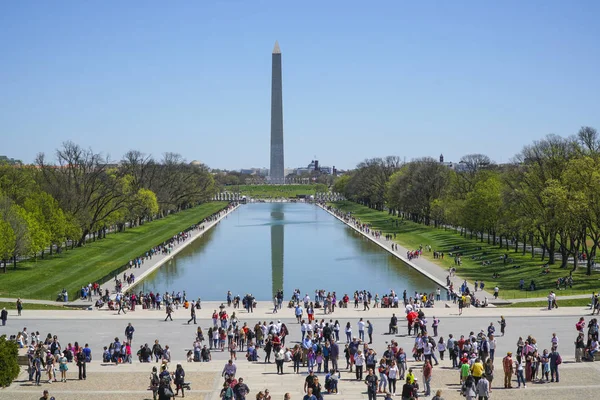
point(393, 374)
point(492, 346)
point(361, 330)
point(303, 329)
point(554, 340)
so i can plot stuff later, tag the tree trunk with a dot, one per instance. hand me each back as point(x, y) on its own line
point(524, 243)
point(14, 262)
point(516, 243)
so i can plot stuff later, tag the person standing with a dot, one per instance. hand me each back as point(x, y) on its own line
point(555, 361)
point(279, 359)
point(370, 331)
point(427, 372)
point(4, 316)
point(434, 325)
point(359, 362)
point(371, 382)
point(502, 323)
point(19, 307)
point(192, 314)
point(81, 364)
point(63, 367)
point(129, 332)
point(334, 354)
point(361, 330)
point(520, 377)
point(507, 365)
point(579, 347)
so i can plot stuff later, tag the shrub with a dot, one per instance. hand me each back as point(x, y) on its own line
point(9, 366)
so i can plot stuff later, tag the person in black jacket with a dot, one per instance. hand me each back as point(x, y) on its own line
point(4, 316)
point(81, 364)
point(179, 380)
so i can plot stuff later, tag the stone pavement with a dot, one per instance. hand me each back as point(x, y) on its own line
point(98, 328)
point(428, 268)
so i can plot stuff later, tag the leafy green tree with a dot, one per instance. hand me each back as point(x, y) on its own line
point(9, 366)
point(7, 242)
point(13, 215)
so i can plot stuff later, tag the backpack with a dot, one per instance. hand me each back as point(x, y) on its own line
point(558, 360)
point(485, 346)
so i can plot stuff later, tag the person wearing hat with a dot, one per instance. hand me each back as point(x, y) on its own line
point(508, 367)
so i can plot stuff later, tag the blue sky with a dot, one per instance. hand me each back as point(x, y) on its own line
point(360, 79)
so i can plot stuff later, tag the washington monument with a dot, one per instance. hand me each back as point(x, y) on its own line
point(276, 172)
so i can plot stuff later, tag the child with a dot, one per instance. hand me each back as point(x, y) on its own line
point(319, 360)
point(106, 355)
point(311, 358)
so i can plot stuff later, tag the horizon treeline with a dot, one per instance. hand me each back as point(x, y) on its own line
point(547, 196)
point(80, 194)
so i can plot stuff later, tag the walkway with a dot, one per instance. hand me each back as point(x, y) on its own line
point(421, 264)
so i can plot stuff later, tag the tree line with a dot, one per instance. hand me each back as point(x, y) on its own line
point(548, 196)
point(80, 194)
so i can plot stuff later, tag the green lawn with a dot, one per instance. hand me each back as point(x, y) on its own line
point(43, 279)
point(33, 306)
point(272, 191)
point(561, 303)
point(411, 235)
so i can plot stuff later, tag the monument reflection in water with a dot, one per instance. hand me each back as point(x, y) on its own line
point(277, 240)
point(247, 251)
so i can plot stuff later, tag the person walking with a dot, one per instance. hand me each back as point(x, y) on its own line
point(19, 307)
point(4, 316)
point(169, 310)
point(179, 380)
point(192, 315)
point(371, 382)
point(483, 388)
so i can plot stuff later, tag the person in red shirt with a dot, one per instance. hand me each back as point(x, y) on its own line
point(461, 343)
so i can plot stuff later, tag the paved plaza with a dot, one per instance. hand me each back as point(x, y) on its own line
point(99, 328)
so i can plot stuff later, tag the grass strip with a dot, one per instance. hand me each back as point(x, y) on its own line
point(43, 279)
point(475, 257)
